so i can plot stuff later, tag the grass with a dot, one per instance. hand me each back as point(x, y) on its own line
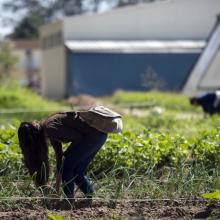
point(13, 96)
point(22, 104)
point(167, 183)
point(189, 126)
point(166, 100)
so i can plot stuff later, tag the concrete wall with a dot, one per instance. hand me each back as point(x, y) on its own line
point(165, 20)
point(53, 72)
point(53, 76)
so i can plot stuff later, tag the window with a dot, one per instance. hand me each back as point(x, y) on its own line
point(52, 41)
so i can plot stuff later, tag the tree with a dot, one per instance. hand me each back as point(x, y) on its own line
point(27, 28)
point(47, 9)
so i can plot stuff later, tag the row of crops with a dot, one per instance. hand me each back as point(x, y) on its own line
point(174, 151)
point(135, 151)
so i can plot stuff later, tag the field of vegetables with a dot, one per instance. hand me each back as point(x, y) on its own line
point(163, 163)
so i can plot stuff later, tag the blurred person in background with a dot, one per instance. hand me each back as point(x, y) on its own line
point(210, 102)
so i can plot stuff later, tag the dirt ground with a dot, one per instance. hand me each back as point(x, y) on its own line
point(123, 210)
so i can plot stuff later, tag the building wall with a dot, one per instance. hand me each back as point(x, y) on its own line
point(165, 20)
point(101, 74)
point(53, 72)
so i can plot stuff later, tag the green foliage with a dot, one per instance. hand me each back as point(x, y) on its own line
point(158, 155)
point(154, 150)
point(170, 101)
point(14, 100)
point(56, 217)
point(28, 27)
point(134, 151)
point(212, 196)
point(207, 148)
point(10, 157)
point(49, 10)
point(189, 125)
point(13, 96)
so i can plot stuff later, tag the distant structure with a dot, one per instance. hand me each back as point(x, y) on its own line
point(205, 75)
point(28, 66)
point(146, 46)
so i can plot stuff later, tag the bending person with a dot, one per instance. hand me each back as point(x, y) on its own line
point(210, 102)
point(59, 128)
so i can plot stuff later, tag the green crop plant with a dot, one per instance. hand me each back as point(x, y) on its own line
point(172, 154)
point(56, 217)
point(212, 196)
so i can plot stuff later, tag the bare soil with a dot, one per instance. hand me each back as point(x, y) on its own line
point(126, 210)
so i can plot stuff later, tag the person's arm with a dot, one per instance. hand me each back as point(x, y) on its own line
point(57, 146)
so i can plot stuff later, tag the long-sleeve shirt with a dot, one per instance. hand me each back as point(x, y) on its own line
point(207, 102)
point(65, 127)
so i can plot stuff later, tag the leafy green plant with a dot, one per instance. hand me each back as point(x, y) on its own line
point(157, 156)
point(212, 196)
point(56, 217)
point(134, 151)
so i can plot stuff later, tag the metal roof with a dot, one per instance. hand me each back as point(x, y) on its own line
point(136, 46)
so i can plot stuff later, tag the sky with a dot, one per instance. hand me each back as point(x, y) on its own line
point(4, 29)
point(7, 28)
